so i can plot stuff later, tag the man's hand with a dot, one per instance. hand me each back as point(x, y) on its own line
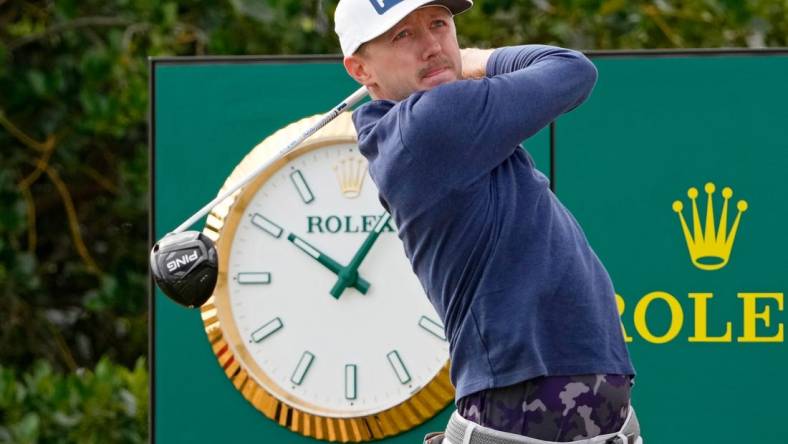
point(474, 62)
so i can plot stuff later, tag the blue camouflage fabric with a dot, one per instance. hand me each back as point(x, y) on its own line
point(553, 408)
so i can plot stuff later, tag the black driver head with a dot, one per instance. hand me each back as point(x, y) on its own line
point(185, 267)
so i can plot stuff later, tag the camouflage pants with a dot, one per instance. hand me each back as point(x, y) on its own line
point(553, 408)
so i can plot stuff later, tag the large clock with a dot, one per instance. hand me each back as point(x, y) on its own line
point(317, 317)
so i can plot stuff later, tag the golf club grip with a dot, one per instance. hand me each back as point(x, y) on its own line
point(327, 117)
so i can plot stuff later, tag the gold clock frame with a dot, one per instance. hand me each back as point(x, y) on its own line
point(228, 347)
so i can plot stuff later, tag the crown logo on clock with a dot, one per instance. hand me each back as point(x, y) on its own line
point(350, 173)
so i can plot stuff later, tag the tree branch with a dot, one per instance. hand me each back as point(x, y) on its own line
point(73, 222)
point(653, 12)
point(42, 163)
point(128, 34)
point(31, 219)
point(80, 22)
point(101, 180)
point(65, 350)
point(21, 136)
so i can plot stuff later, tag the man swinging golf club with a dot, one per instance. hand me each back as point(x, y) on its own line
point(537, 352)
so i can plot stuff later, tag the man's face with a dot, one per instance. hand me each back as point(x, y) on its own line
point(418, 53)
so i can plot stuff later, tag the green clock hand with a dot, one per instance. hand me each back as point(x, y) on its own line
point(360, 284)
point(349, 273)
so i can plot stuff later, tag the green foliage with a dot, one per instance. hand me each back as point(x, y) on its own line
point(625, 24)
point(73, 135)
point(107, 405)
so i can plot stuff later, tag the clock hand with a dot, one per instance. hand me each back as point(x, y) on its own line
point(348, 274)
point(360, 284)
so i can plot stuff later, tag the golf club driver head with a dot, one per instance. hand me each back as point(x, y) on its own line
point(185, 266)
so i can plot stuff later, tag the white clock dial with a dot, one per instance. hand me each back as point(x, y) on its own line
point(353, 355)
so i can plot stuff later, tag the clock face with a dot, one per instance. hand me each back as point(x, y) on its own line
point(360, 351)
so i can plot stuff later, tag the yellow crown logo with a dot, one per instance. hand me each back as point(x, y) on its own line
point(710, 249)
point(350, 173)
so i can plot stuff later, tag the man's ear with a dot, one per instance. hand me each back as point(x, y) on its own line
point(358, 69)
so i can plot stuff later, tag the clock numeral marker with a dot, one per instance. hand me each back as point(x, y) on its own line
point(303, 366)
point(432, 327)
point(350, 381)
point(267, 330)
point(301, 186)
point(398, 366)
point(263, 277)
point(266, 225)
point(308, 249)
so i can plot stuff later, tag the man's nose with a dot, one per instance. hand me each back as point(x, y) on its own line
point(432, 45)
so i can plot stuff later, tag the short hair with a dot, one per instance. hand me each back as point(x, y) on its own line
point(362, 50)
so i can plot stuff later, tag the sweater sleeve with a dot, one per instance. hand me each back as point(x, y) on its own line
point(471, 126)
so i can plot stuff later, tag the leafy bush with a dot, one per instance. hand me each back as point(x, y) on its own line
point(107, 405)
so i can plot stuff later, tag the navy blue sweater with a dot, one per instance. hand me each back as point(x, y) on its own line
point(507, 267)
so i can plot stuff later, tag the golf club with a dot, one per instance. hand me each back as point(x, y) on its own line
point(184, 263)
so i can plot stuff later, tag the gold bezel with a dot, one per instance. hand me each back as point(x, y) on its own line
point(230, 350)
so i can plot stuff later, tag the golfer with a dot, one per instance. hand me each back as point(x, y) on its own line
point(529, 310)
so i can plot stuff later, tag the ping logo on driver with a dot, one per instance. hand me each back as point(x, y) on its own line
point(381, 6)
point(185, 259)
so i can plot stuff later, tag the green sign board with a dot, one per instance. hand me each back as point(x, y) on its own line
point(701, 300)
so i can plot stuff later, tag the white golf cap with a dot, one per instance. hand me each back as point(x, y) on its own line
point(359, 21)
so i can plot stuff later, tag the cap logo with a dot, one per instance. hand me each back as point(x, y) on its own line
point(381, 6)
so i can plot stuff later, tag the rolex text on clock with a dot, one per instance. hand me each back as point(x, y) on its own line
point(317, 317)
